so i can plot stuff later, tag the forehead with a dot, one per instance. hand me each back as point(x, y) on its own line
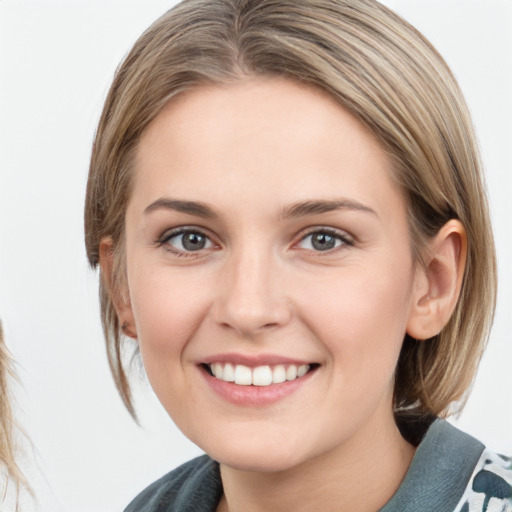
point(260, 136)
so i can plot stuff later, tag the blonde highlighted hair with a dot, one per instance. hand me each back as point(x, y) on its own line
point(375, 65)
point(9, 469)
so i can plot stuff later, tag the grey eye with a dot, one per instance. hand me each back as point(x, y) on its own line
point(189, 241)
point(321, 241)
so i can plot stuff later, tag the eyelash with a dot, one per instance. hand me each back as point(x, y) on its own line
point(163, 241)
point(339, 236)
point(344, 239)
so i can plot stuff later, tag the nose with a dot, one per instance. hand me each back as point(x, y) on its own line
point(251, 297)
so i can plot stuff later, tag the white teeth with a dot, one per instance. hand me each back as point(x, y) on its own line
point(291, 372)
point(262, 376)
point(278, 374)
point(217, 370)
point(302, 370)
point(243, 375)
point(229, 373)
point(258, 376)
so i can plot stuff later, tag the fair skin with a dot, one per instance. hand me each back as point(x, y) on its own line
point(264, 230)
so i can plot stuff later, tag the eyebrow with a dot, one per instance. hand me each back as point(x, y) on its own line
point(191, 207)
point(300, 209)
point(304, 208)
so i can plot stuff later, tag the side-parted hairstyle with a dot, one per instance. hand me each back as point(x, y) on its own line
point(376, 66)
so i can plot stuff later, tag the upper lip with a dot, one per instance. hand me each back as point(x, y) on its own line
point(253, 361)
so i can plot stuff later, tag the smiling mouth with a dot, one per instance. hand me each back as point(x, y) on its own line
point(260, 375)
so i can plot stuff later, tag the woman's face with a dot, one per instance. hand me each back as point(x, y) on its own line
point(266, 242)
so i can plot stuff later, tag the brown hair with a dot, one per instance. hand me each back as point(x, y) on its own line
point(375, 65)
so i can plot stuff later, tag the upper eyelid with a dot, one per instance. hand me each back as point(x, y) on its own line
point(172, 232)
point(162, 242)
point(341, 233)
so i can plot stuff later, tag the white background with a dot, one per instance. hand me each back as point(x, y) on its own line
point(56, 62)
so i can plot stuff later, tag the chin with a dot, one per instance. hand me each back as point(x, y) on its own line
point(257, 462)
point(256, 455)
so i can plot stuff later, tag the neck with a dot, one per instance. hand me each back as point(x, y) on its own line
point(361, 474)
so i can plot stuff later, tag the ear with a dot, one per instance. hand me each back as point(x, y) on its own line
point(438, 283)
point(117, 288)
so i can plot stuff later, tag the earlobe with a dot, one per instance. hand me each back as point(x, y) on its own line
point(438, 282)
point(117, 288)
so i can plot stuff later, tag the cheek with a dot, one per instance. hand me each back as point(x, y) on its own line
point(168, 308)
point(360, 316)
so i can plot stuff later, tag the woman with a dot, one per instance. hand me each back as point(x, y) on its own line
point(286, 203)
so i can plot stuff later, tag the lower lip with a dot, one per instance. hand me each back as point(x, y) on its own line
point(254, 396)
